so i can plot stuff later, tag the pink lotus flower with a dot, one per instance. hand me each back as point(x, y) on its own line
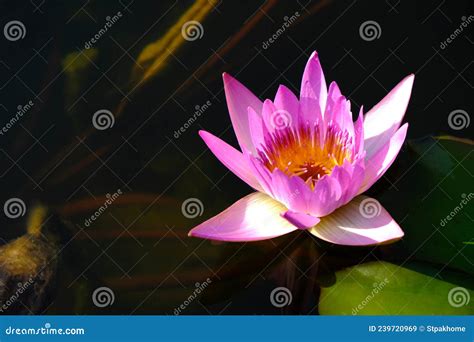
point(308, 162)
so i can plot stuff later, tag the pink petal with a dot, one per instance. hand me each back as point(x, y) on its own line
point(262, 174)
point(381, 161)
point(275, 118)
point(382, 121)
point(239, 98)
point(338, 110)
point(361, 222)
point(257, 128)
point(326, 197)
point(287, 101)
point(234, 160)
point(357, 178)
point(302, 221)
point(331, 191)
point(313, 84)
point(252, 218)
point(269, 115)
point(343, 175)
point(310, 110)
point(359, 133)
point(292, 191)
point(334, 92)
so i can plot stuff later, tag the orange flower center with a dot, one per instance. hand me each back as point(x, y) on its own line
point(305, 152)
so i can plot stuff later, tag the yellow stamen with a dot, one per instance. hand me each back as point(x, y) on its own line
point(303, 153)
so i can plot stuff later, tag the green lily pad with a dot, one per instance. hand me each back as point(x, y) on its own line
point(382, 288)
point(432, 199)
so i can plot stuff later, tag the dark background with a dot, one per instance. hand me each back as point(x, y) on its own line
point(139, 247)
